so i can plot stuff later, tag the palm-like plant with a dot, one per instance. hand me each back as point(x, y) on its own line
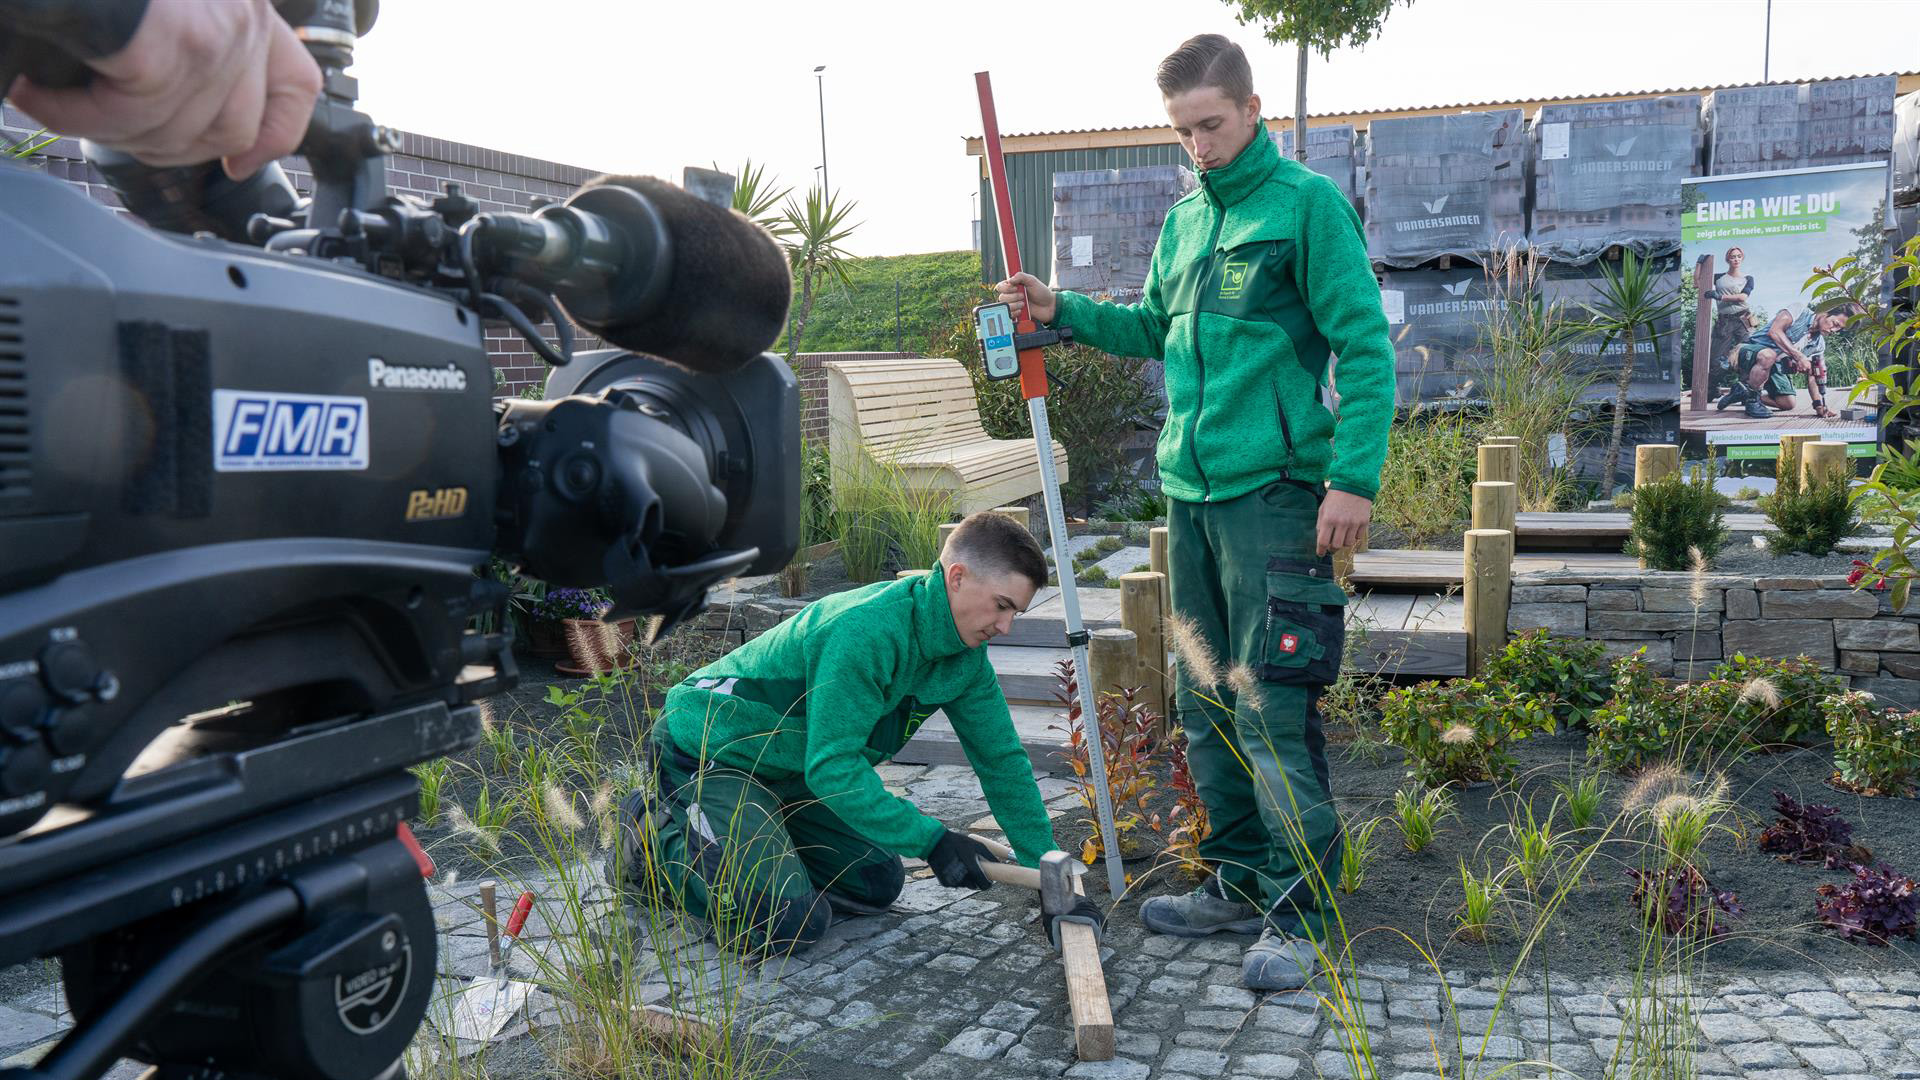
point(815, 232)
point(755, 195)
point(1632, 300)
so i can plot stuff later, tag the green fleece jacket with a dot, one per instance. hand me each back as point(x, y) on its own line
point(1257, 275)
point(839, 688)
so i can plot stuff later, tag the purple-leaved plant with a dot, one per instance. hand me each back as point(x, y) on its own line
point(1681, 901)
point(1811, 832)
point(1878, 905)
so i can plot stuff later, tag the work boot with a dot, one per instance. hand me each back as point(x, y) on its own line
point(1734, 396)
point(1278, 962)
point(1199, 913)
point(1758, 411)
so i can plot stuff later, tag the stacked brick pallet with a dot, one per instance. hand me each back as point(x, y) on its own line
point(1607, 174)
point(1106, 222)
point(1770, 128)
point(1331, 152)
point(1445, 186)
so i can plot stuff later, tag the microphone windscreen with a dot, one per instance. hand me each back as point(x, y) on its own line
point(727, 289)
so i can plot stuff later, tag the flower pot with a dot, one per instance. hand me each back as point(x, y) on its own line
point(595, 646)
point(547, 639)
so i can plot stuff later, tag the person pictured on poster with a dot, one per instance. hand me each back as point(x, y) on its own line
point(1732, 314)
point(1787, 346)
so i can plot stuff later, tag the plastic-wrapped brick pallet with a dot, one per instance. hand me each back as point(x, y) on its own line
point(1445, 185)
point(1608, 173)
point(1436, 320)
point(1106, 223)
point(1330, 152)
point(1656, 366)
point(1906, 162)
point(1798, 126)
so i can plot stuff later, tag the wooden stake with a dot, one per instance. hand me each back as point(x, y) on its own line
point(1140, 612)
point(1653, 462)
point(1495, 503)
point(1824, 460)
point(947, 531)
point(1787, 463)
point(1499, 462)
point(1502, 440)
point(1157, 562)
point(1017, 513)
point(686, 1033)
point(490, 910)
point(1113, 656)
point(1086, 991)
point(1488, 580)
point(904, 574)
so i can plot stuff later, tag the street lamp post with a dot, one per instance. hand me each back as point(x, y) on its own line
point(820, 82)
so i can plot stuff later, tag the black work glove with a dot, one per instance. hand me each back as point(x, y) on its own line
point(1083, 911)
point(955, 861)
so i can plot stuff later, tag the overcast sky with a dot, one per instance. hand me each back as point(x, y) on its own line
point(646, 86)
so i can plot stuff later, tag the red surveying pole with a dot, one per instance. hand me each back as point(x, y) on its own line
point(1033, 387)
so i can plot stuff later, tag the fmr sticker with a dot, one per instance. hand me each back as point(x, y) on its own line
point(265, 431)
point(436, 504)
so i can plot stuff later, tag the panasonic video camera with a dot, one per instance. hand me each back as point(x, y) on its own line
point(251, 469)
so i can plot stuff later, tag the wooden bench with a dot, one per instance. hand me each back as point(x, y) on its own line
point(921, 417)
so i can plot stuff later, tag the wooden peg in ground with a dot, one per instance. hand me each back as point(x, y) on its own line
point(1079, 955)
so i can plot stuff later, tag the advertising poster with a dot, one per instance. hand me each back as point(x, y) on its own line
point(1764, 363)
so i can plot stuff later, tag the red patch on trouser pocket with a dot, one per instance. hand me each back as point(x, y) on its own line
point(1289, 644)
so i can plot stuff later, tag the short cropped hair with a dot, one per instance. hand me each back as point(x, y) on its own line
point(990, 543)
point(1207, 60)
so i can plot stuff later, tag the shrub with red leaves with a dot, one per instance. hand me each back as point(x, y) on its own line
point(1878, 906)
point(1811, 832)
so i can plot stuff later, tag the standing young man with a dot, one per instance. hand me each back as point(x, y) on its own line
point(1256, 278)
point(766, 818)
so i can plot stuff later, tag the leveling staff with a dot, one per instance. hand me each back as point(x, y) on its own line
point(767, 818)
point(1256, 276)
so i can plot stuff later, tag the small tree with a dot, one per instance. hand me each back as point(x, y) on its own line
point(754, 195)
point(1632, 300)
point(1317, 25)
point(815, 232)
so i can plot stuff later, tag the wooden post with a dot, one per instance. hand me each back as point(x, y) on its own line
point(1488, 578)
point(1787, 463)
point(1140, 612)
point(1157, 562)
point(902, 575)
point(1113, 655)
point(1087, 1000)
point(1502, 440)
point(1653, 462)
point(1824, 460)
point(947, 531)
point(1702, 332)
point(1499, 462)
point(1017, 513)
point(1495, 503)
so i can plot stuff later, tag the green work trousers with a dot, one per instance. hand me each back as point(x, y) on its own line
point(764, 862)
point(1269, 613)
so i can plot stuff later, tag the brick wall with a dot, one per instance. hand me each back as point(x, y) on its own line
point(492, 178)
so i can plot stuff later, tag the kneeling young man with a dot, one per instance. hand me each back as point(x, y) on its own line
point(766, 817)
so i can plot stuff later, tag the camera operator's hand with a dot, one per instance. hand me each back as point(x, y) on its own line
point(1038, 296)
point(197, 81)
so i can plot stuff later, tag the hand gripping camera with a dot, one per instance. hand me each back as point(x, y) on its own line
point(250, 468)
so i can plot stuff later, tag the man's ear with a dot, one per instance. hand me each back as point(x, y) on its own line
point(1253, 109)
point(956, 573)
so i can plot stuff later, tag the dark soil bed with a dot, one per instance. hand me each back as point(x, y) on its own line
point(1594, 931)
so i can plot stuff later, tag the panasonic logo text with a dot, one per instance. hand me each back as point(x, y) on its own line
point(262, 431)
point(384, 376)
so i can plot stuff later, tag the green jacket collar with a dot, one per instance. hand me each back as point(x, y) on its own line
point(1228, 185)
point(933, 622)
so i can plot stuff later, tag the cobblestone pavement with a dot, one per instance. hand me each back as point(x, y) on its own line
point(956, 985)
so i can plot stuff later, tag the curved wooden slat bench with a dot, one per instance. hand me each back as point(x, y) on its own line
point(922, 417)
